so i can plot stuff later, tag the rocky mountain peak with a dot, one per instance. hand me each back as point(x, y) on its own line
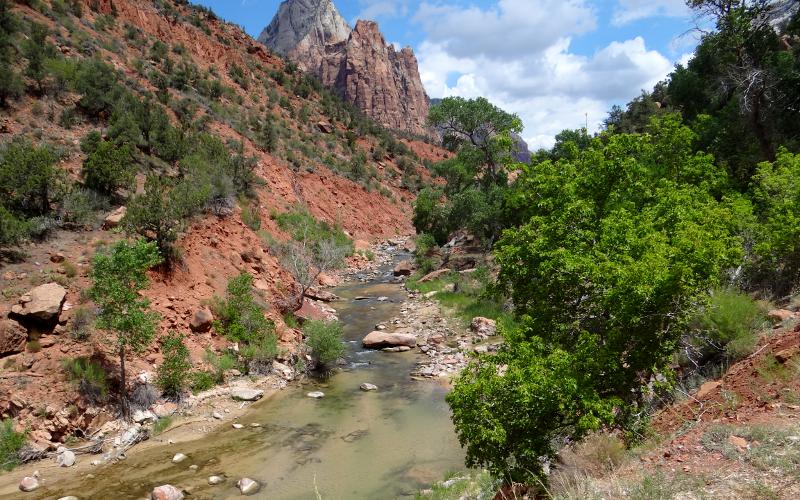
point(359, 64)
point(304, 22)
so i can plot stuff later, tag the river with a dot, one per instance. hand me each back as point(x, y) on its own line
point(350, 444)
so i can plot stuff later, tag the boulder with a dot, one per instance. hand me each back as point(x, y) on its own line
point(245, 394)
point(434, 275)
point(43, 303)
point(483, 326)
point(321, 295)
point(201, 320)
point(248, 486)
point(66, 459)
point(28, 484)
point(778, 316)
point(404, 268)
point(166, 492)
point(325, 127)
point(113, 219)
point(284, 371)
point(379, 340)
point(142, 416)
point(366, 386)
point(13, 337)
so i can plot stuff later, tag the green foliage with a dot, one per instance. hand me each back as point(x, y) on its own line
point(117, 278)
point(728, 324)
point(11, 85)
point(161, 425)
point(174, 370)
point(109, 168)
point(13, 230)
point(89, 377)
point(201, 381)
point(98, 84)
point(11, 442)
point(79, 207)
point(36, 50)
point(301, 225)
point(325, 340)
point(29, 181)
point(616, 247)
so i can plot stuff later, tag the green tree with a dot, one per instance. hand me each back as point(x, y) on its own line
point(109, 168)
point(325, 340)
point(29, 180)
point(11, 442)
point(99, 85)
point(616, 248)
point(36, 50)
point(173, 373)
point(13, 230)
point(10, 83)
point(117, 278)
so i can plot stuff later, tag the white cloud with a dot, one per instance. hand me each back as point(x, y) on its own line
point(374, 9)
point(632, 10)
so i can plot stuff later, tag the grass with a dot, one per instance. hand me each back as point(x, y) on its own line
point(89, 376)
point(161, 425)
point(201, 381)
point(475, 484)
point(771, 448)
point(11, 442)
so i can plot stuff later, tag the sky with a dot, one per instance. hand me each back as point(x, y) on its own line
point(558, 64)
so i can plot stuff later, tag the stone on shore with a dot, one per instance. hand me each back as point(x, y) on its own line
point(214, 480)
point(366, 386)
point(28, 484)
point(404, 268)
point(166, 492)
point(434, 275)
point(244, 394)
point(66, 459)
point(483, 326)
point(178, 458)
point(381, 339)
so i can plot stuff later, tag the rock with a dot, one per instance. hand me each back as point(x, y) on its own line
point(434, 275)
point(245, 394)
point(706, 389)
point(69, 498)
point(28, 484)
point(166, 492)
point(217, 415)
point(785, 355)
point(44, 302)
point(215, 480)
point(368, 387)
point(13, 337)
point(378, 340)
point(144, 378)
point(430, 294)
point(403, 268)
point(248, 486)
point(237, 426)
point(255, 424)
point(113, 219)
point(194, 467)
point(165, 409)
point(283, 370)
point(178, 458)
point(738, 442)
point(325, 127)
point(316, 394)
point(57, 258)
point(359, 64)
point(202, 320)
point(66, 459)
point(142, 416)
point(778, 316)
point(321, 295)
point(483, 326)
point(312, 311)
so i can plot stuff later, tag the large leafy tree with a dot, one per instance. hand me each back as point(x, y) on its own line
point(617, 245)
point(117, 278)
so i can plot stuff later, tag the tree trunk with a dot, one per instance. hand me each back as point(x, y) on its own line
point(123, 392)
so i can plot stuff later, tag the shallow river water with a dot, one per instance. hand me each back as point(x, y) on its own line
point(348, 445)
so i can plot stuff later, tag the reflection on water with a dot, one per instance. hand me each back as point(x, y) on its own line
point(349, 444)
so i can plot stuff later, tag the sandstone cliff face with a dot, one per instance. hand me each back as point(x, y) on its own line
point(359, 64)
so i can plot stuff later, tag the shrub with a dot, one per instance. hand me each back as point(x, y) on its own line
point(220, 364)
point(89, 377)
point(11, 442)
point(80, 207)
point(325, 341)
point(174, 370)
point(29, 180)
point(12, 229)
point(201, 381)
point(109, 168)
point(728, 325)
point(98, 82)
point(251, 217)
point(161, 425)
point(82, 321)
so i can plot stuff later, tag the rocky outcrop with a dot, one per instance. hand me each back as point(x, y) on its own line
point(365, 70)
point(43, 303)
point(12, 337)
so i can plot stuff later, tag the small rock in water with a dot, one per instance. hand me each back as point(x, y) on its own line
point(248, 486)
point(255, 424)
point(178, 458)
point(217, 415)
point(69, 498)
point(28, 484)
point(194, 467)
point(237, 426)
point(368, 387)
point(316, 394)
point(214, 480)
point(66, 459)
point(383, 299)
point(166, 492)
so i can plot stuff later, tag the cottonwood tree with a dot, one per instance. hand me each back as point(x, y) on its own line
point(117, 278)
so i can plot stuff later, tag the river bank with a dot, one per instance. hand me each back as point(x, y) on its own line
point(216, 417)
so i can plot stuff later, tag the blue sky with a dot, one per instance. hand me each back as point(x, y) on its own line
point(554, 62)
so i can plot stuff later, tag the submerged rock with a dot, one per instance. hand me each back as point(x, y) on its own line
point(178, 458)
point(214, 480)
point(28, 484)
point(244, 394)
point(248, 486)
point(316, 394)
point(366, 386)
point(166, 492)
point(66, 459)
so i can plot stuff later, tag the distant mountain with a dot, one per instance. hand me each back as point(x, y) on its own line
point(359, 64)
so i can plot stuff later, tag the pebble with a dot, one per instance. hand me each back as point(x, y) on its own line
point(69, 498)
point(28, 484)
point(178, 458)
point(366, 386)
point(237, 426)
point(255, 424)
point(217, 415)
point(194, 467)
point(214, 480)
point(316, 394)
